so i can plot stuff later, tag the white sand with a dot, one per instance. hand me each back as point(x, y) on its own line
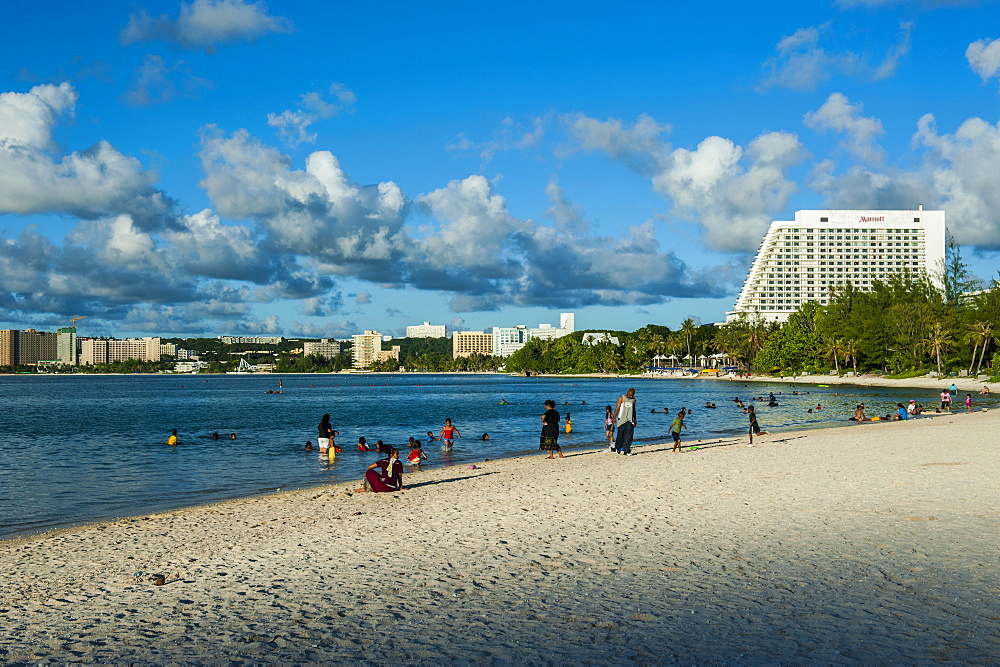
point(868, 543)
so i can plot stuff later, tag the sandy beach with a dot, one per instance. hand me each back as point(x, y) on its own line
point(873, 542)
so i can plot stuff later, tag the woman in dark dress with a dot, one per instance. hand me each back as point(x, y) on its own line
point(550, 431)
point(384, 476)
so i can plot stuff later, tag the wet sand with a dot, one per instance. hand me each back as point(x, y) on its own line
point(873, 542)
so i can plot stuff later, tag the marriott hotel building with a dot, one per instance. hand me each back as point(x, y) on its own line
point(808, 258)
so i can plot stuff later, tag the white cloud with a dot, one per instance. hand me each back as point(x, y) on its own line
point(984, 58)
point(510, 135)
point(801, 63)
point(475, 227)
point(730, 193)
point(316, 212)
point(89, 183)
point(204, 24)
point(293, 126)
point(27, 119)
point(640, 145)
point(155, 82)
point(958, 173)
point(363, 297)
point(839, 115)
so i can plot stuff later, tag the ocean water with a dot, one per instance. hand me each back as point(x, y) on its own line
point(75, 449)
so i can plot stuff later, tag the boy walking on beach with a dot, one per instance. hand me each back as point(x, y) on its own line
point(675, 430)
point(754, 426)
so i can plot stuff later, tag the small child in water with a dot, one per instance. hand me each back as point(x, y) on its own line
point(363, 445)
point(416, 454)
point(173, 439)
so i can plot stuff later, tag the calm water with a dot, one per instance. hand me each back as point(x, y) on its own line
point(85, 448)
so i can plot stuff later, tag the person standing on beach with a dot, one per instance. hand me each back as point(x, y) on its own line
point(968, 402)
point(549, 441)
point(754, 426)
point(946, 401)
point(609, 427)
point(626, 422)
point(675, 431)
point(325, 434)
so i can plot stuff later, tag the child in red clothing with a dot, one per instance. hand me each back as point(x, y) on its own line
point(416, 454)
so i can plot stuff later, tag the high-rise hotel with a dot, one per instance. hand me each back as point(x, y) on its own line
point(808, 258)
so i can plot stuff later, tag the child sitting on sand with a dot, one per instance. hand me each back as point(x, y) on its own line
point(416, 454)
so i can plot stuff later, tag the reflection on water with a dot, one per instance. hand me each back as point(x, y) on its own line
point(82, 448)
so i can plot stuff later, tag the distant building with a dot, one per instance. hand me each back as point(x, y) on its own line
point(366, 349)
point(168, 350)
point(106, 351)
point(34, 346)
point(328, 349)
point(468, 343)
point(508, 340)
point(597, 338)
point(427, 330)
point(386, 355)
point(257, 340)
point(549, 332)
point(27, 347)
point(809, 258)
point(8, 347)
point(67, 349)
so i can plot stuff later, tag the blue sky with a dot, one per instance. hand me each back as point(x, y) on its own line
point(317, 169)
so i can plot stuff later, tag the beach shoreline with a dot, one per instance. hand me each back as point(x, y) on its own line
point(832, 545)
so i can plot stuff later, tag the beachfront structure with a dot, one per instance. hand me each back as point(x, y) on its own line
point(468, 343)
point(567, 324)
point(328, 349)
point(598, 338)
point(109, 350)
point(808, 258)
point(366, 349)
point(427, 330)
point(256, 340)
point(508, 340)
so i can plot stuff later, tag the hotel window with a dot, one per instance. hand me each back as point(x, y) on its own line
point(824, 219)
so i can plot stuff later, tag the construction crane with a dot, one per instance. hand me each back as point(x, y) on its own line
point(72, 320)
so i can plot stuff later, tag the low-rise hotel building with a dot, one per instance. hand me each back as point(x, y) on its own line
point(328, 349)
point(106, 351)
point(808, 258)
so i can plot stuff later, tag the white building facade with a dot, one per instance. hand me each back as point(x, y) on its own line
point(809, 258)
point(366, 349)
point(508, 340)
point(567, 324)
point(427, 330)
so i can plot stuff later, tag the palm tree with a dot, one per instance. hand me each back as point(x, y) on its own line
point(688, 329)
point(980, 333)
point(851, 352)
point(938, 340)
point(835, 348)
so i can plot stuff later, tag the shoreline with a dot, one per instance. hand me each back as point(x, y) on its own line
point(825, 545)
